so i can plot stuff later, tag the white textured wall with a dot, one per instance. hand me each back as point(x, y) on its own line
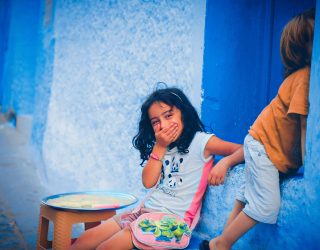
point(108, 56)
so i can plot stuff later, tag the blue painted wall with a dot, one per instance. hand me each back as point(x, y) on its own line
point(312, 167)
point(97, 62)
point(19, 60)
point(44, 72)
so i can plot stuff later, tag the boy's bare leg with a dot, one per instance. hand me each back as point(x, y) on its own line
point(91, 238)
point(120, 241)
point(238, 206)
point(238, 227)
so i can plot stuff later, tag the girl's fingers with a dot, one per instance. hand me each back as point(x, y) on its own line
point(172, 130)
point(218, 181)
point(164, 131)
point(222, 181)
point(215, 180)
point(212, 180)
point(174, 134)
point(174, 137)
point(166, 135)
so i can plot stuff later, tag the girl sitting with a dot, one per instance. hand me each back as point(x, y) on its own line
point(179, 156)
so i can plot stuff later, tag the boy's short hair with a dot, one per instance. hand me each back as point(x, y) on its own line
point(296, 42)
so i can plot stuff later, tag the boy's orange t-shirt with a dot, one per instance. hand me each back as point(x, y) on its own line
point(278, 125)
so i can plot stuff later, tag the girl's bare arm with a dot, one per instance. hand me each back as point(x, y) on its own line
point(152, 170)
point(233, 155)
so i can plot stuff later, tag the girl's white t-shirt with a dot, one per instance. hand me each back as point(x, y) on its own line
point(183, 180)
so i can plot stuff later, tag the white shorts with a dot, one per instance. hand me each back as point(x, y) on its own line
point(261, 190)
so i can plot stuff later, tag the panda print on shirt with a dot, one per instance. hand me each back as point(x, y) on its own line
point(170, 178)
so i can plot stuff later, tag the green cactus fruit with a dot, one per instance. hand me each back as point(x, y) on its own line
point(157, 232)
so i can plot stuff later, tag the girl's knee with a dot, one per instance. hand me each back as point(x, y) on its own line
point(121, 240)
point(83, 242)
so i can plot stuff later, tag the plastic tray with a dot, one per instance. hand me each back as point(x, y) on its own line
point(90, 201)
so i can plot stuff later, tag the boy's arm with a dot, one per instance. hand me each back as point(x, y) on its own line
point(303, 124)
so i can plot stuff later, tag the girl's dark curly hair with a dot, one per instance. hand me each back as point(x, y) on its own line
point(296, 42)
point(144, 140)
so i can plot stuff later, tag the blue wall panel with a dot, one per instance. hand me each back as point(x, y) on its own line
point(312, 159)
point(237, 36)
point(19, 64)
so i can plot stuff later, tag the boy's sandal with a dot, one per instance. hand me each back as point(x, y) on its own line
point(204, 245)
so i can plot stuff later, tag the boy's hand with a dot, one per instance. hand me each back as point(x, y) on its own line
point(166, 136)
point(218, 173)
